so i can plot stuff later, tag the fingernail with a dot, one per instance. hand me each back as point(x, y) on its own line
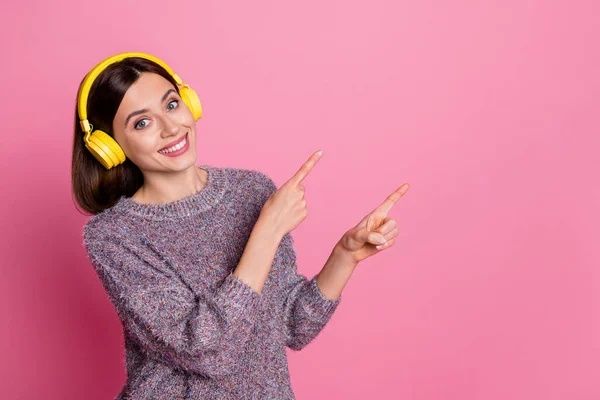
point(320, 152)
point(382, 241)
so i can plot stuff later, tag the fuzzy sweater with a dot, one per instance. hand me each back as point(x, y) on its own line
point(191, 329)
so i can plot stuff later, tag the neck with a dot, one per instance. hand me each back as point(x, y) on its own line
point(165, 187)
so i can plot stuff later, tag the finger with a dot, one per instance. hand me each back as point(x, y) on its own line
point(374, 238)
point(391, 234)
point(306, 168)
point(387, 205)
point(385, 246)
point(388, 225)
point(370, 222)
point(374, 221)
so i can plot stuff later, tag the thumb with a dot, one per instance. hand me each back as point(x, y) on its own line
point(374, 238)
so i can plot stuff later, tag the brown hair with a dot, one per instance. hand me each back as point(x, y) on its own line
point(94, 187)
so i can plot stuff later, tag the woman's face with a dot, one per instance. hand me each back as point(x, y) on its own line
point(151, 119)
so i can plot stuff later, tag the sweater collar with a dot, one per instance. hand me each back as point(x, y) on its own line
point(210, 194)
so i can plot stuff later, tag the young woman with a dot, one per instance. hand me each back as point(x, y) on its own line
point(198, 260)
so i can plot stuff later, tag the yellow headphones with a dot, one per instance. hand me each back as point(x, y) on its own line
point(102, 146)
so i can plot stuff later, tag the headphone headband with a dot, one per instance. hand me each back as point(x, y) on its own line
point(97, 70)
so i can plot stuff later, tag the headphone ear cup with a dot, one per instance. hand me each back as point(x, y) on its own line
point(190, 98)
point(105, 149)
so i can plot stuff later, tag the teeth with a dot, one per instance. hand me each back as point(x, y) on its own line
point(178, 146)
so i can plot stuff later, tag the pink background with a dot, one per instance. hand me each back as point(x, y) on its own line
point(489, 109)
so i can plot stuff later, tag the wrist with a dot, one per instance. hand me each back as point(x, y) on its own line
point(344, 254)
point(267, 229)
point(336, 272)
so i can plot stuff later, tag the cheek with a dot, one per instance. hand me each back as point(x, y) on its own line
point(141, 146)
point(147, 143)
point(184, 116)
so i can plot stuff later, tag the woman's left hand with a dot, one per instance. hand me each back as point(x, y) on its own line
point(362, 241)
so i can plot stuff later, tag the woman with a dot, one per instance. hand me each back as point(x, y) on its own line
point(198, 261)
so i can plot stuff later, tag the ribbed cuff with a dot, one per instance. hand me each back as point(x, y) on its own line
point(319, 302)
point(239, 297)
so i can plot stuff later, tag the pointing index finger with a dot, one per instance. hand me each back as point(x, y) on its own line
point(387, 205)
point(306, 168)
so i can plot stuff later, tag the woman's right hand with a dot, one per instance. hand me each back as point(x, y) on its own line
point(286, 208)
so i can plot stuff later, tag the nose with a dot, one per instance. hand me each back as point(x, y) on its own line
point(170, 127)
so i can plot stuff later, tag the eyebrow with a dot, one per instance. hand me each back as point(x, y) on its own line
point(133, 114)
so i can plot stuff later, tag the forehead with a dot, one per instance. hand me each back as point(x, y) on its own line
point(146, 92)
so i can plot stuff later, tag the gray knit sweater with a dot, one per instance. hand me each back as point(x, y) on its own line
point(191, 329)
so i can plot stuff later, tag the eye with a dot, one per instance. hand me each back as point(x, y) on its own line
point(175, 106)
point(139, 124)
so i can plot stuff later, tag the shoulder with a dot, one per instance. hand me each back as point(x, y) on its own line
point(249, 180)
point(109, 224)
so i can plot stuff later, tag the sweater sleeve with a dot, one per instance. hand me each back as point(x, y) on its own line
point(306, 309)
point(203, 334)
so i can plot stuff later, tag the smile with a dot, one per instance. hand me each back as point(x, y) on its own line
point(178, 146)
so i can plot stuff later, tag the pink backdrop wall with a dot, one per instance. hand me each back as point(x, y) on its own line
point(489, 109)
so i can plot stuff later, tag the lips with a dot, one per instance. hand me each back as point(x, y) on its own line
point(174, 143)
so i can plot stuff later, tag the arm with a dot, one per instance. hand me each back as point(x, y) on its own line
point(336, 272)
point(257, 259)
point(201, 334)
point(306, 308)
